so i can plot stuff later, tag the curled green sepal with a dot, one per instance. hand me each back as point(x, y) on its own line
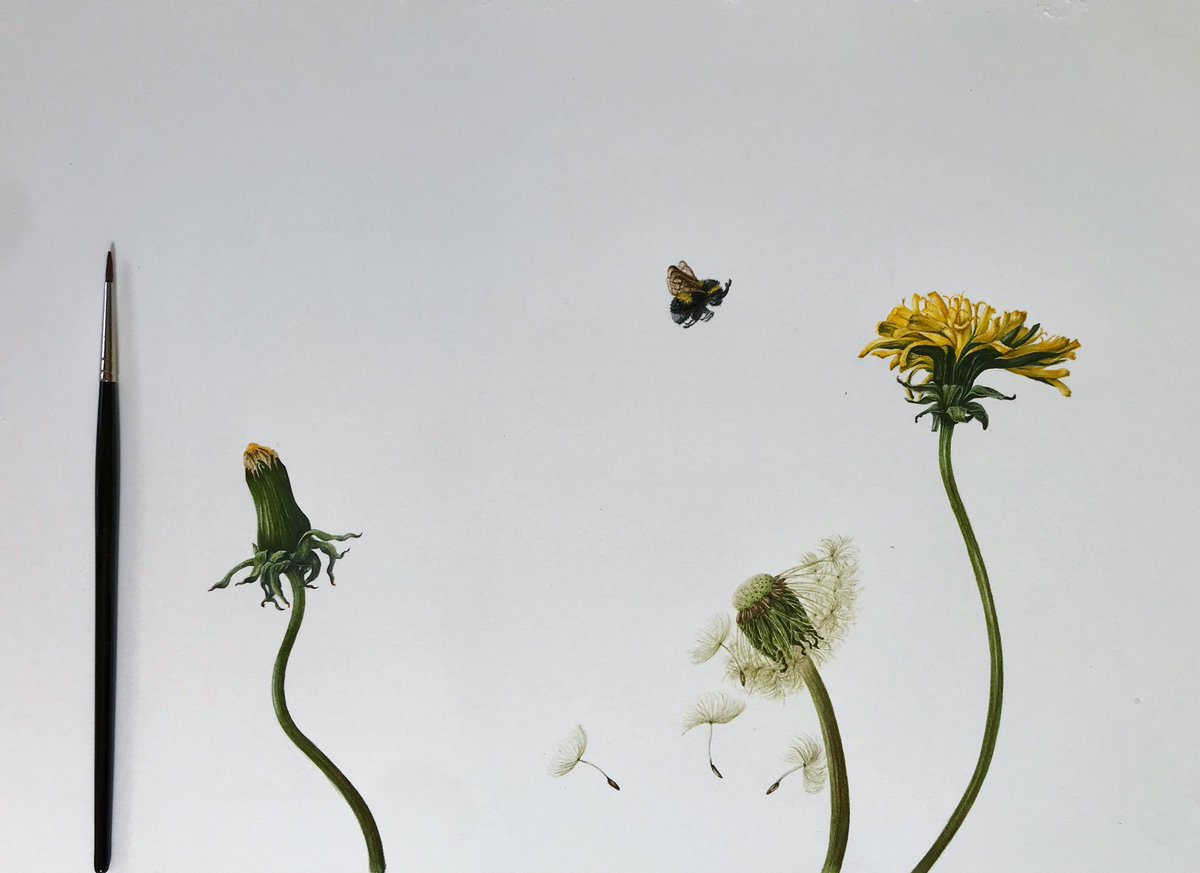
point(323, 541)
point(951, 403)
point(224, 583)
point(266, 568)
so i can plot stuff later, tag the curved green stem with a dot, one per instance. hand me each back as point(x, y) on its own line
point(996, 693)
point(839, 787)
point(365, 820)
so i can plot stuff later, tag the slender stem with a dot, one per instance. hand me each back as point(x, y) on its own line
point(839, 787)
point(996, 692)
point(737, 663)
point(611, 782)
point(366, 821)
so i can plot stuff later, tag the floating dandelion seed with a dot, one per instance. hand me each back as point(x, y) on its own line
point(806, 754)
point(713, 708)
point(570, 754)
point(713, 638)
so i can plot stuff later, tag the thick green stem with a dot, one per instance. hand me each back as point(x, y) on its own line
point(365, 820)
point(996, 693)
point(839, 787)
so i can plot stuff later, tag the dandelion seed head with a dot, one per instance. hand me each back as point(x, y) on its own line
point(807, 609)
point(773, 618)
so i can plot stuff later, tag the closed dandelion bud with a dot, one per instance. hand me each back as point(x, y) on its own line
point(281, 523)
point(288, 547)
point(288, 551)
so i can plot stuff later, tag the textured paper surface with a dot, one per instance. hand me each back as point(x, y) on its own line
point(419, 250)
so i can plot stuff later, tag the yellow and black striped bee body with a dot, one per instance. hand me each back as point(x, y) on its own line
point(692, 297)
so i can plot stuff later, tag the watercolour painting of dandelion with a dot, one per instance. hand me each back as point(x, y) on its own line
point(951, 342)
point(288, 547)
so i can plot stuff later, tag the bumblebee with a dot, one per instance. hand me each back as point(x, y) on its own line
point(691, 297)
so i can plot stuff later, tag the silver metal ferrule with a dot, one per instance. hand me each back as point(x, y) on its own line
point(108, 338)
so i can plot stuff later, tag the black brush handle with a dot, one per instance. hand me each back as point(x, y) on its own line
point(108, 492)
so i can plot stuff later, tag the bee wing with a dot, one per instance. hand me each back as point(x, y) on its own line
point(681, 279)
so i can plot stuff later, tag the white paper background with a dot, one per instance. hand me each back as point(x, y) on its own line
point(419, 249)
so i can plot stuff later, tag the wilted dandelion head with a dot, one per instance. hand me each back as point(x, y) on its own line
point(570, 752)
point(803, 611)
point(710, 640)
point(713, 707)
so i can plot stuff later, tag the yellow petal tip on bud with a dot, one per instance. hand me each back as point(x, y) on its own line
point(257, 456)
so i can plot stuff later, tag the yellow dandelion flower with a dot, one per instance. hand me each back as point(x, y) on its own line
point(953, 340)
